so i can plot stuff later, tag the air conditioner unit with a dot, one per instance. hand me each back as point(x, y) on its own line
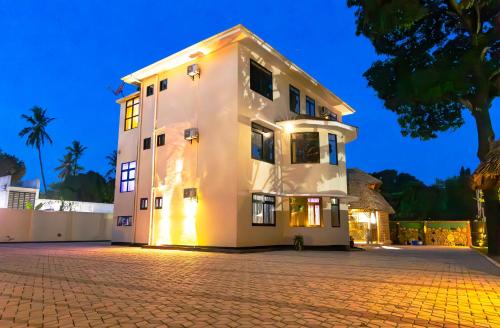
point(323, 111)
point(190, 193)
point(191, 134)
point(193, 70)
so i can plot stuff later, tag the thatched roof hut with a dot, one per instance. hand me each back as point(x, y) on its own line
point(366, 189)
point(487, 174)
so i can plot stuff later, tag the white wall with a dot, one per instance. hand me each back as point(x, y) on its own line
point(74, 206)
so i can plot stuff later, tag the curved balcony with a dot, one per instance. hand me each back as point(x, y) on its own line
point(349, 132)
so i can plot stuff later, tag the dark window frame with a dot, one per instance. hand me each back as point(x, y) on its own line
point(310, 100)
point(163, 85)
point(127, 179)
point(264, 202)
point(294, 92)
point(133, 105)
point(256, 68)
point(158, 203)
point(146, 143)
point(150, 90)
point(143, 203)
point(259, 129)
point(124, 221)
point(160, 140)
point(293, 142)
point(336, 212)
point(330, 149)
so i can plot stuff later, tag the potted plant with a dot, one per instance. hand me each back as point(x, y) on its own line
point(298, 242)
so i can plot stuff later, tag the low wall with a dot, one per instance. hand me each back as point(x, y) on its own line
point(440, 233)
point(35, 226)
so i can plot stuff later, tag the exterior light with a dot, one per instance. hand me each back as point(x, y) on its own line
point(193, 71)
point(190, 193)
point(289, 128)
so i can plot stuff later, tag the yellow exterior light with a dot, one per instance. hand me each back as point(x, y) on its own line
point(289, 128)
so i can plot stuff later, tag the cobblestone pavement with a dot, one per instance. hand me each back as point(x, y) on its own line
point(96, 285)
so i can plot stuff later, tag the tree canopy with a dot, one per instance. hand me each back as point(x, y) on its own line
point(11, 165)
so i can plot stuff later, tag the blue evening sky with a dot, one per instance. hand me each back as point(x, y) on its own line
point(63, 55)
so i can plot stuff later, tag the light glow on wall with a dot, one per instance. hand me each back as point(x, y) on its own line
point(189, 234)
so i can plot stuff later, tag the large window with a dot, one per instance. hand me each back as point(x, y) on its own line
point(332, 149)
point(305, 147)
point(335, 212)
point(294, 99)
point(127, 177)
point(262, 143)
point(305, 212)
point(131, 114)
point(263, 210)
point(310, 107)
point(124, 221)
point(261, 80)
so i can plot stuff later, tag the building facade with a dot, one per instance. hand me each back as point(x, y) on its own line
point(227, 143)
point(20, 194)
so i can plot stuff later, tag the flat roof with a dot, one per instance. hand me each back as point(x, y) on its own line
point(216, 42)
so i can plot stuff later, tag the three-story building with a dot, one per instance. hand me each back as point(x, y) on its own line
point(230, 144)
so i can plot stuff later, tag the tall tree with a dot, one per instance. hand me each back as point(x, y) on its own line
point(36, 133)
point(439, 58)
point(111, 158)
point(66, 166)
point(76, 151)
point(11, 165)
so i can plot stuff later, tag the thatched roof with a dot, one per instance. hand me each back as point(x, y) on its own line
point(366, 189)
point(487, 174)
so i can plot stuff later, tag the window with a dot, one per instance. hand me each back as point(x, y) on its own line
point(146, 143)
point(160, 140)
point(163, 84)
point(158, 202)
point(144, 204)
point(332, 117)
point(335, 212)
point(310, 107)
point(124, 221)
point(263, 210)
point(262, 143)
point(294, 99)
point(131, 114)
point(261, 80)
point(150, 89)
point(332, 149)
point(305, 212)
point(127, 178)
point(305, 147)
point(21, 199)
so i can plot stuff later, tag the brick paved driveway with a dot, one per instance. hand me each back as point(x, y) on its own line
point(66, 285)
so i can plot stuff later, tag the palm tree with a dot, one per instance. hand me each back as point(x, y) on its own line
point(112, 164)
point(36, 133)
point(76, 151)
point(66, 167)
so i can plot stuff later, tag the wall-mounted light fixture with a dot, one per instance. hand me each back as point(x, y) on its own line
point(191, 134)
point(193, 71)
point(190, 193)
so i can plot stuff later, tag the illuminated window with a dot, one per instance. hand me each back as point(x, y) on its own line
point(263, 210)
point(305, 212)
point(150, 89)
point(163, 84)
point(335, 212)
point(305, 147)
point(158, 203)
point(310, 107)
point(124, 221)
point(144, 204)
point(131, 114)
point(261, 80)
point(294, 99)
point(127, 177)
point(332, 149)
point(160, 140)
point(262, 143)
point(146, 143)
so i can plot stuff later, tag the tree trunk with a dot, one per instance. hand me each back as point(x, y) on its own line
point(492, 211)
point(485, 134)
point(41, 169)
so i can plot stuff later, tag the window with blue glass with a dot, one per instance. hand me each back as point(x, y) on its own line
point(262, 143)
point(294, 99)
point(127, 177)
point(332, 149)
point(310, 106)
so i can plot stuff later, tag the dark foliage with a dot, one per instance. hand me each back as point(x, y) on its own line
point(11, 165)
